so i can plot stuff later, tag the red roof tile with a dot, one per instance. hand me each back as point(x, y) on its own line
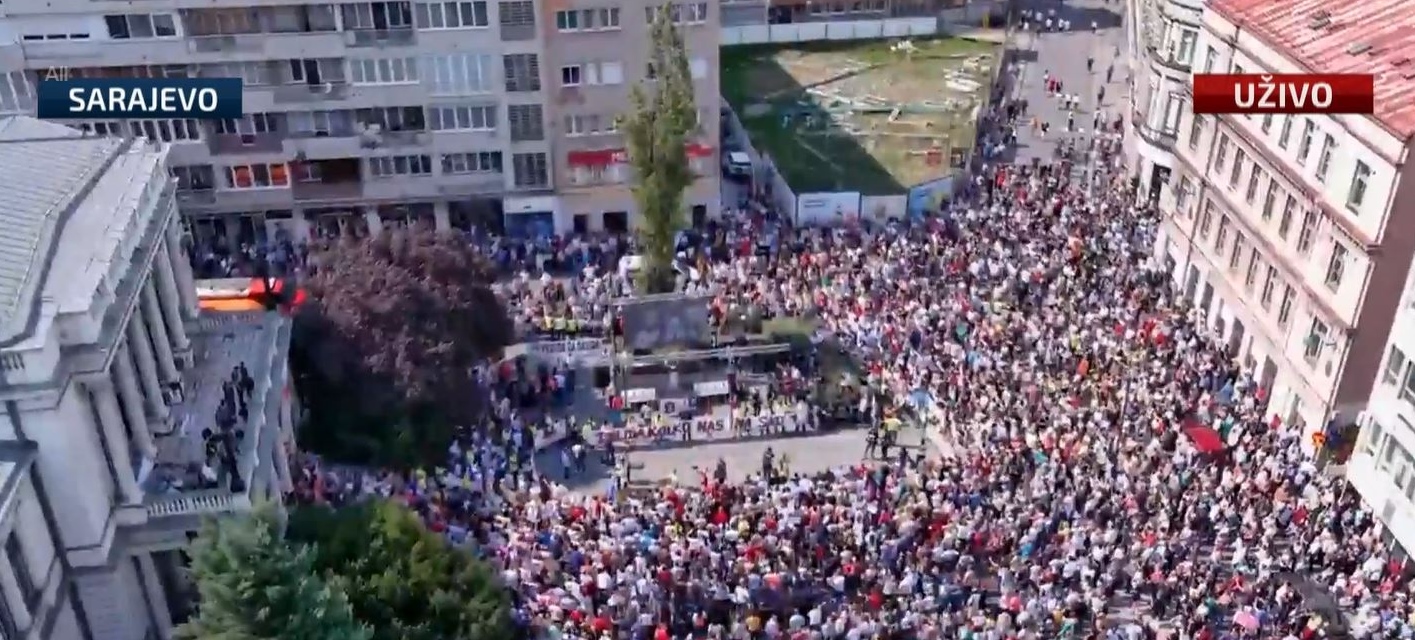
point(1388, 26)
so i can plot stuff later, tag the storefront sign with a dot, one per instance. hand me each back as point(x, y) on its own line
point(711, 388)
point(575, 351)
point(702, 428)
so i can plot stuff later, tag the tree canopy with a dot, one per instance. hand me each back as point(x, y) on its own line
point(404, 581)
point(384, 352)
point(255, 587)
point(657, 130)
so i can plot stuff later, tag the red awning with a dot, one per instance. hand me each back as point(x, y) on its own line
point(606, 157)
point(596, 157)
point(1205, 439)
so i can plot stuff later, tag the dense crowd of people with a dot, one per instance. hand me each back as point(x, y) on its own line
point(1058, 367)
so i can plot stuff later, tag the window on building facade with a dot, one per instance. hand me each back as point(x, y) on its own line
point(257, 176)
point(1235, 257)
point(1284, 135)
point(526, 122)
point(1254, 177)
point(1269, 285)
point(596, 19)
point(1307, 233)
point(1284, 309)
point(1316, 340)
point(522, 72)
point(1395, 362)
point(468, 118)
point(1210, 59)
point(379, 16)
point(1324, 158)
point(1267, 122)
point(530, 170)
point(249, 124)
point(682, 13)
point(383, 71)
point(471, 162)
point(1182, 195)
point(1221, 238)
point(1187, 39)
point(518, 13)
point(1196, 131)
point(393, 118)
point(196, 177)
point(168, 130)
point(1304, 148)
point(452, 15)
point(395, 166)
point(1236, 171)
point(1407, 385)
point(1289, 209)
point(1250, 274)
point(1357, 193)
point(459, 74)
point(1336, 266)
point(1221, 153)
point(1270, 199)
point(1206, 220)
point(136, 26)
point(584, 125)
point(571, 75)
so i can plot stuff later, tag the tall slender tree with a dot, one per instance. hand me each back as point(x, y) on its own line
point(254, 586)
point(657, 128)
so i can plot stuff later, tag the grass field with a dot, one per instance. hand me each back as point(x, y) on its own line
point(859, 116)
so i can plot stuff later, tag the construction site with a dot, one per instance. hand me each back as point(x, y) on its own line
point(870, 116)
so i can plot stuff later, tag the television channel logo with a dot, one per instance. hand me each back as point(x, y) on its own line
point(139, 98)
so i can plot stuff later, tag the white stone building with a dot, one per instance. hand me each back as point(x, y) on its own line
point(1293, 233)
point(1163, 36)
point(1382, 466)
point(111, 448)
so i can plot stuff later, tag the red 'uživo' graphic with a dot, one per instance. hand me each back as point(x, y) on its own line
point(1248, 93)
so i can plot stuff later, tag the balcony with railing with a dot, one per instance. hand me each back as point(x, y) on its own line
point(223, 424)
point(306, 93)
point(268, 142)
point(332, 180)
point(402, 37)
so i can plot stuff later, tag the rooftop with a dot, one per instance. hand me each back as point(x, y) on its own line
point(220, 342)
point(47, 169)
point(1374, 36)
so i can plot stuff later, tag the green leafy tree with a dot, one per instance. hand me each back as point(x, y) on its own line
point(662, 119)
point(404, 581)
point(253, 586)
point(385, 350)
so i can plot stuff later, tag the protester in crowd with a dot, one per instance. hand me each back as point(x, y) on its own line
point(1035, 336)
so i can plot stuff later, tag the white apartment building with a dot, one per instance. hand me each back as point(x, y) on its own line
point(464, 113)
point(1294, 233)
point(123, 426)
point(1163, 35)
point(1382, 465)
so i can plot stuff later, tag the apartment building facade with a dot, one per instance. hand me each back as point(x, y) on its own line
point(1293, 233)
point(124, 426)
point(1382, 464)
point(1163, 37)
point(367, 114)
point(597, 51)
